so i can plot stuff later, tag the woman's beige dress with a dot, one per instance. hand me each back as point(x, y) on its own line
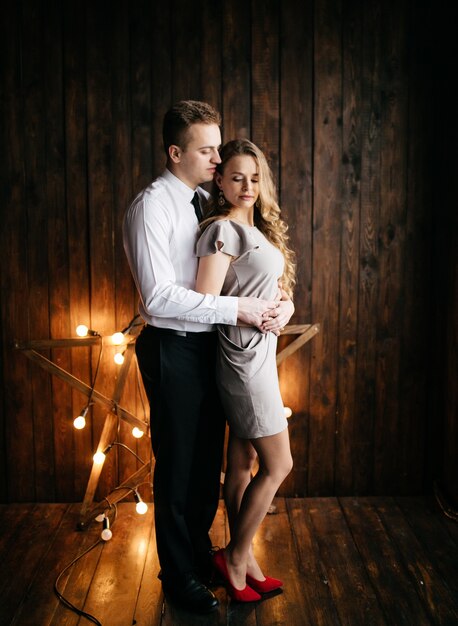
point(246, 365)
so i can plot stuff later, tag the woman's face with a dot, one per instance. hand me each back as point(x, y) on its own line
point(240, 181)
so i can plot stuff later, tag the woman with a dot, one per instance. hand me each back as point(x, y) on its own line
point(243, 252)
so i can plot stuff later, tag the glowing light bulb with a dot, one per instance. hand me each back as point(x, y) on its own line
point(81, 330)
point(99, 458)
point(137, 433)
point(288, 411)
point(100, 517)
point(117, 338)
point(106, 533)
point(79, 422)
point(118, 358)
point(141, 507)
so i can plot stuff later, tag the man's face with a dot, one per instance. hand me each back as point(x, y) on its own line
point(196, 164)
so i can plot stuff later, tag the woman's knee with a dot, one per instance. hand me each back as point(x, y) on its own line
point(277, 469)
point(289, 464)
point(284, 467)
point(249, 458)
point(241, 457)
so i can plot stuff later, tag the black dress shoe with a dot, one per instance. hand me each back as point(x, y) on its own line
point(191, 595)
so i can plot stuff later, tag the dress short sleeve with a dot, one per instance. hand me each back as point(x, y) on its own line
point(226, 236)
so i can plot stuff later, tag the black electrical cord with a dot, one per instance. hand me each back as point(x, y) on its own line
point(123, 445)
point(62, 598)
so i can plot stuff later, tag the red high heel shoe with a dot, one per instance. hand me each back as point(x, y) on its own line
point(241, 595)
point(264, 586)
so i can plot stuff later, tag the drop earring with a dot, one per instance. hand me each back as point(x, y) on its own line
point(221, 198)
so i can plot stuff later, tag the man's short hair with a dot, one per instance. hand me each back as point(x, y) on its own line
point(181, 117)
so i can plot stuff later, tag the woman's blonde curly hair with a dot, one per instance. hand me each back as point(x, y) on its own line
point(266, 210)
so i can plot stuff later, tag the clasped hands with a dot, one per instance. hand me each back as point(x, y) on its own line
point(277, 318)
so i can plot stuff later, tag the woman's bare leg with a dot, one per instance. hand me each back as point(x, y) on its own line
point(275, 463)
point(241, 457)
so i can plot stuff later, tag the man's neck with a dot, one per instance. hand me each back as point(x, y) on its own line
point(179, 174)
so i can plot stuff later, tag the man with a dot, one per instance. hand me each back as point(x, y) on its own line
point(176, 350)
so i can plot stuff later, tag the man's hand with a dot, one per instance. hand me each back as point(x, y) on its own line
point(254, 311)
point(280, 316)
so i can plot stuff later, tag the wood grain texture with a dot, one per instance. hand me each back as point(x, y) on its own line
point(319, 604)
point(186, 35)
point(351, 103)
point(138, 90)
point(346, 425)
point(265, 102)
point(20, 485)
point(339, 552)
point(326, 245)
point(381, 558)
point(126, 297)
point(296, 198)
point(236, 72)
point(58, 433)
point(342, 561)
point(391, 243)
point(433, 590)
point(76, 164)
point(99, 76)
point(41, 526)
point(365, 385)
point(35, 142)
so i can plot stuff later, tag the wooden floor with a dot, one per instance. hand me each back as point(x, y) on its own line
point(344, 561)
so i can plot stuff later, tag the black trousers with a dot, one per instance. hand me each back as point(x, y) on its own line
point(187, 435)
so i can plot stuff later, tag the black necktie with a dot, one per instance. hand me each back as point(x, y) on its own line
point(196, 204)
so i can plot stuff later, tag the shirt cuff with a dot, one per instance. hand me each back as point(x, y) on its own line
point(228, 308)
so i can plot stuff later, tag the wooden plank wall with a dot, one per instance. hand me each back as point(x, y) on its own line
point(339, 95)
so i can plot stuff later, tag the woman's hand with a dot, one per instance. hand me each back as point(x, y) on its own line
point(279, 317)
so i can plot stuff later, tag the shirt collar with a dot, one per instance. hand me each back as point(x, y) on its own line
point(179, 185)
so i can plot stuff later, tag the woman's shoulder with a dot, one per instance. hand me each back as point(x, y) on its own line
point(233, 236)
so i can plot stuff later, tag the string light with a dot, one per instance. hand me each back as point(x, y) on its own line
point(119, 358)
point(117, 338)
point(141, 507)
point(83, 331)
point(80, 422)
point(288, 411)
point(137, 433)
point(106, 533)
point(99, 458)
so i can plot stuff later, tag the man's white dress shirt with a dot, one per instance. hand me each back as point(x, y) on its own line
point(160, 231)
